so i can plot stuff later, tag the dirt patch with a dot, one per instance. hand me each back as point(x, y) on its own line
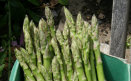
point(105, 33)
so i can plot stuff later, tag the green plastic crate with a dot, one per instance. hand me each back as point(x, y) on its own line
point(115, 69)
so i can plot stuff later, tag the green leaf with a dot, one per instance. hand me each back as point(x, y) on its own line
point(35, 2)
point(64, 2)
point(2, 57)
point(1, 69)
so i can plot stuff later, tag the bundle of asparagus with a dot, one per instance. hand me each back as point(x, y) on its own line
point(53, 55)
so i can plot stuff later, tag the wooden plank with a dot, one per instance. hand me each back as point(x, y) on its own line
point(119, 27)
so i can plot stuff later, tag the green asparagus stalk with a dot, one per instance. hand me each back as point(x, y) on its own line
point(76, 34)
point(25, 67)
point(26, 33)
point(50, 21)
point(92, 57)
point(70, 22)
point(36, 72)
point(79, 26)
point(96, 47)
point(59, 58)
point(28, 40)
point(92, 60)
point(85, 50)
point(43, 35)
point(26, 79)
point(31, 31)
point(37, 46)
point(46, 74)
point(66, 32)
point(47, 61)
point(60, 38)
point(78, 61)
point(71, 28)
point(56, 69)
point(79, 31)
point(51, 30)
point(75, 77)
point(66, 53)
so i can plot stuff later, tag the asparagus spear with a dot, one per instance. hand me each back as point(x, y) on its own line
point(28, 40)
point(96, 47)
point(37, 46)
point(73, 35)
point(51, 30)
point(92, 57)
point(85, 50)
point(75, 77)
point(70, 22)
point(31, 31)
point(36, 72)
point(92, 60)
point(45, 38)
point(43, 35)
point(45, 73)
point(66, 32)
point(59, 58)
point(79, 26)
point(50, 21)
point(66, 53)
point(25, 67)
point(56, 69)
point(79, 33)
point(26, 79)
point(47, 61)
point(70, 27)
point(77, 60)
